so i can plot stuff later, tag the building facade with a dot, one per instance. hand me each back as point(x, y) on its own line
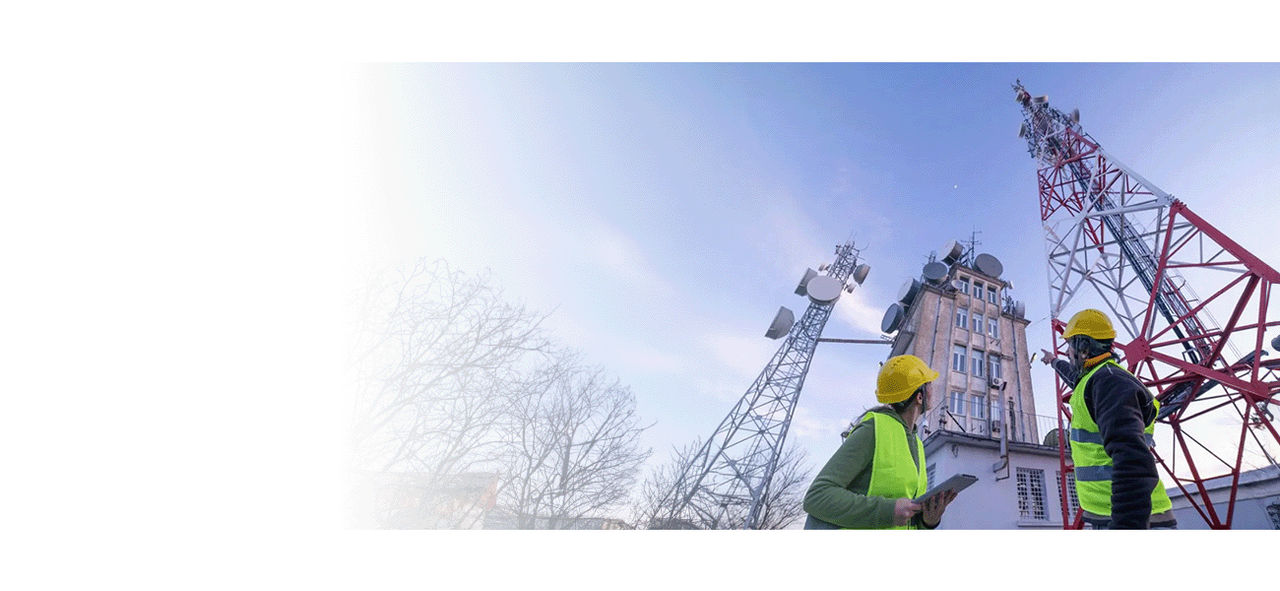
point(1257, 501)
point(959, 317)
point(1017, 488)
point(964, 325)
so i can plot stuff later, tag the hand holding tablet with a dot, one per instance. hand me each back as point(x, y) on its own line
point(933, 503)
point(956, 483)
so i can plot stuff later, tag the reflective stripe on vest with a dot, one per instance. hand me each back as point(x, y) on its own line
point(1083, 436)
point(1092, 464)
point(1093, 473)
point(894, 475)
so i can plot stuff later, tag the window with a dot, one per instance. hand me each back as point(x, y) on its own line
point(962, 318)
point(993, 327)
point(979, 407)
point(956, 405)
point(1031, 495)
point(1273, 511)
point(964, 285)
point(978, 361)
point(957, 358)
point(977, 289)
point(993, 365)
point(991, 294)
point(930, 471)
point(1071, 493)
point(977, 323)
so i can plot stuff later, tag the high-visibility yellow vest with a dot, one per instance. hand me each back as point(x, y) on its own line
point(894, 475)
point(1092, 464)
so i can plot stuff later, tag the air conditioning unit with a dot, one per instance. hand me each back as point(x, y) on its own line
point(996, 383)
point(995, 426)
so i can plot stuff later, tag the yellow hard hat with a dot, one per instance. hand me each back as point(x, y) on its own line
point(1091, 323)
point(900, 377)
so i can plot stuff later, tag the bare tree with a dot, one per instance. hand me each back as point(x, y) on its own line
point(462, 400)
point(574, 446)
point(663, 489)
point(653, 507)
point(784, 503)
point(436, 353)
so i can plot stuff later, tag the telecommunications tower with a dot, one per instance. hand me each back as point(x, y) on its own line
point(1116, 241)
point(726, 484)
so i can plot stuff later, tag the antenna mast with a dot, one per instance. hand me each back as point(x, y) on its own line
point(726, 484)
point(1110, 232)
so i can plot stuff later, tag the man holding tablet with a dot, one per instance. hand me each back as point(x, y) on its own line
point(872, 480)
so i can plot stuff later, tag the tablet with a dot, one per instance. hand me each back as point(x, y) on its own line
point(957, 483)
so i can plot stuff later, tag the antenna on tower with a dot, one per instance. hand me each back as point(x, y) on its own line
point(726, 484)
point(971, 247)
point(1173, 344)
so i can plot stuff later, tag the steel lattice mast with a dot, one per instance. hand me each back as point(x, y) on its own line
point(1113, 237)
point(726, 483)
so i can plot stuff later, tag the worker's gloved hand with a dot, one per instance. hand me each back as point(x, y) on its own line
point(904, 510)
point(933, 508)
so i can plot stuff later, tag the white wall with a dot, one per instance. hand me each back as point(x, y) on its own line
point(1252, 500)
point(991, 503)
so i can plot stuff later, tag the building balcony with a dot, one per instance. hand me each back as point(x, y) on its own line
point(1026, 427)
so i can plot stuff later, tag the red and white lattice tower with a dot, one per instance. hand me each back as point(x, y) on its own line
point(1116, 242)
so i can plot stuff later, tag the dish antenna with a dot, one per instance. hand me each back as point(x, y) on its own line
point(988, 265)
point(935, 271)
point(808, 275)
point(823, 289)
point(954, 250)
point(781, 324)
point(860, 273)
point(908, 291)
point(892, 318)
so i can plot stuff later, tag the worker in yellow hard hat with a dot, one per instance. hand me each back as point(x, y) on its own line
point(871, 481)
point(1112, 423)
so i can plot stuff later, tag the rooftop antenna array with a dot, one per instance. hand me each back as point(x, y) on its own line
point(971, 248)
point(1113, 233)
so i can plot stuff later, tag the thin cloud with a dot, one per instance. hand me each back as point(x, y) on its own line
point(854, 310)
point(644, 358)
point(621, 256)
point(743, 356)
point(806, 424)
point(801, 243)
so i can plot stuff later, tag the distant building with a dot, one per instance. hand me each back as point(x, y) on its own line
point(407, 500)
point(1257, 501)
point(672, 524)
point(500, 519)
point(958, 317)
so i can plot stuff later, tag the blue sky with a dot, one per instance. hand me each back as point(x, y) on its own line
point(180, 221)
point(665, 211)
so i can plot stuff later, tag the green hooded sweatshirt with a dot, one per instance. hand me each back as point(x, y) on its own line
point(838, 495)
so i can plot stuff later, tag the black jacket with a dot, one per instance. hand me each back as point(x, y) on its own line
point(1122, 407)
